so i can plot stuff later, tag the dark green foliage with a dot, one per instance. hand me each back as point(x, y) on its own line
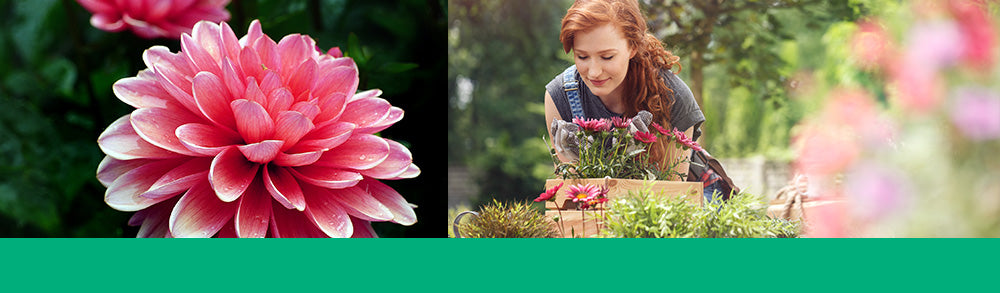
point(507, 220)
point(645, 215)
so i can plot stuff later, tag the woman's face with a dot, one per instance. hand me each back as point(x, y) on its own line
point(601, 56)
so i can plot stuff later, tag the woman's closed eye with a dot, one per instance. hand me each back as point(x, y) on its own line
point(608, 57)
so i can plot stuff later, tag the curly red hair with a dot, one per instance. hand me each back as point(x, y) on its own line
point(645, 89)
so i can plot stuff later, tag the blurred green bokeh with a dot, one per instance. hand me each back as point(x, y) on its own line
point(56, 72)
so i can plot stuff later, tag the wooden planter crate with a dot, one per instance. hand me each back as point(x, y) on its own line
point(572, 219)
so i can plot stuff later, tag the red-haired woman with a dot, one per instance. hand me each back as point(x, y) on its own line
point(624, 69)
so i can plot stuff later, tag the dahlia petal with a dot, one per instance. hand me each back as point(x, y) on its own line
point(120, 141)
point(213, 99)
point(199, 213)
point(199, 56)
point(208, 37)
point(156, 220)
point(250, 63)
point(138, 217)
point(279, 100)
point(270, 83)
point(108, 22)
point(402, 212)
point(395, 114)
point(232, 79)
point(177, 86)
point(326, 177)
point(411, 172)
point(362, 229)
point(140, 92)
point(287, 223)
point(267, 50)
point(365, 95)
point(295, 159)
point(123, 193)
point(327, 214)
point(230, 44)
point(366, 112)
point(207, 140)
point(253, 92)
point(261, 152)
point(201, 12)
point(302, 79)
point(181, 5)
point(254, 212)
point(398, 161)
point(310, 110)
point(360, 152)
point(179, 179)
point(231, 174)
point(252, 121)
point(331, 107)
point(157, 10)
point(359, 203)
point(253, 33)
point(293, 51)
point(229, 229)
point(331, 80)
point(290, 126)
point(160, 55)
point(158, 126)
point(284, 188)
point(110, 168)
point(327, 136)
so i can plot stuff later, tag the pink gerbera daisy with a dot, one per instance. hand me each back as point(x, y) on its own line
point(251, 138)
point(154, 18)
point(592, 124)
point(548, 194)
point(645, 137)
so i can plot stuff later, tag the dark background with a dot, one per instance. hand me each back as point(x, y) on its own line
point(56, 72)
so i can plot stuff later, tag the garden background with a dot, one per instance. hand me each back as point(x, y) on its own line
point(56, 72)
point(890, 104)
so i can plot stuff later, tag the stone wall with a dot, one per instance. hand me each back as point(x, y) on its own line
point(757, 175)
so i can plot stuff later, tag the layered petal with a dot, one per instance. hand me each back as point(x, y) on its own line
point(120, 141)
point(231, 174)
point(254, 212)
point(360, 152)
point(200, 213)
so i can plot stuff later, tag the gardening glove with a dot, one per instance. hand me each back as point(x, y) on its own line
point(564, 139)
point(641, 122)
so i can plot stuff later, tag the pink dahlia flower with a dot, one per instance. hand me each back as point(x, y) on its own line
point(154, 18)
point(251, 138)
point(645, 137)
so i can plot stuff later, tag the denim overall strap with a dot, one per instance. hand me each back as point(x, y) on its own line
point(572, 88)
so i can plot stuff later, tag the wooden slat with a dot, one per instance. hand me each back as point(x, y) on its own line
point(620, 187)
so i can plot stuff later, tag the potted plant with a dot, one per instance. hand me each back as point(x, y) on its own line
point(613, 155)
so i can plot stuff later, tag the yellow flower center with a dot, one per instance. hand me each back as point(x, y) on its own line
point(581, 195)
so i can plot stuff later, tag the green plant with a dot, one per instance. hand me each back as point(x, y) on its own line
point(645, 215)
point(508, 220)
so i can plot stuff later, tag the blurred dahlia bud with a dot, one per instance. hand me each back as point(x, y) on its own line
point(154, 18)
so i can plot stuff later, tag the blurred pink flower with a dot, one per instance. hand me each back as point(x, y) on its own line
point(825, 150)
point(583, 192)
point(154, 18)
point(976, 113)
point(620, 122)
point(871, 43)
point(267, 137)
point(977, 32)
point(335, 52)
point(875, 191)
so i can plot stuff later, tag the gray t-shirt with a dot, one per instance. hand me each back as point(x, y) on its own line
point(684, 114)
